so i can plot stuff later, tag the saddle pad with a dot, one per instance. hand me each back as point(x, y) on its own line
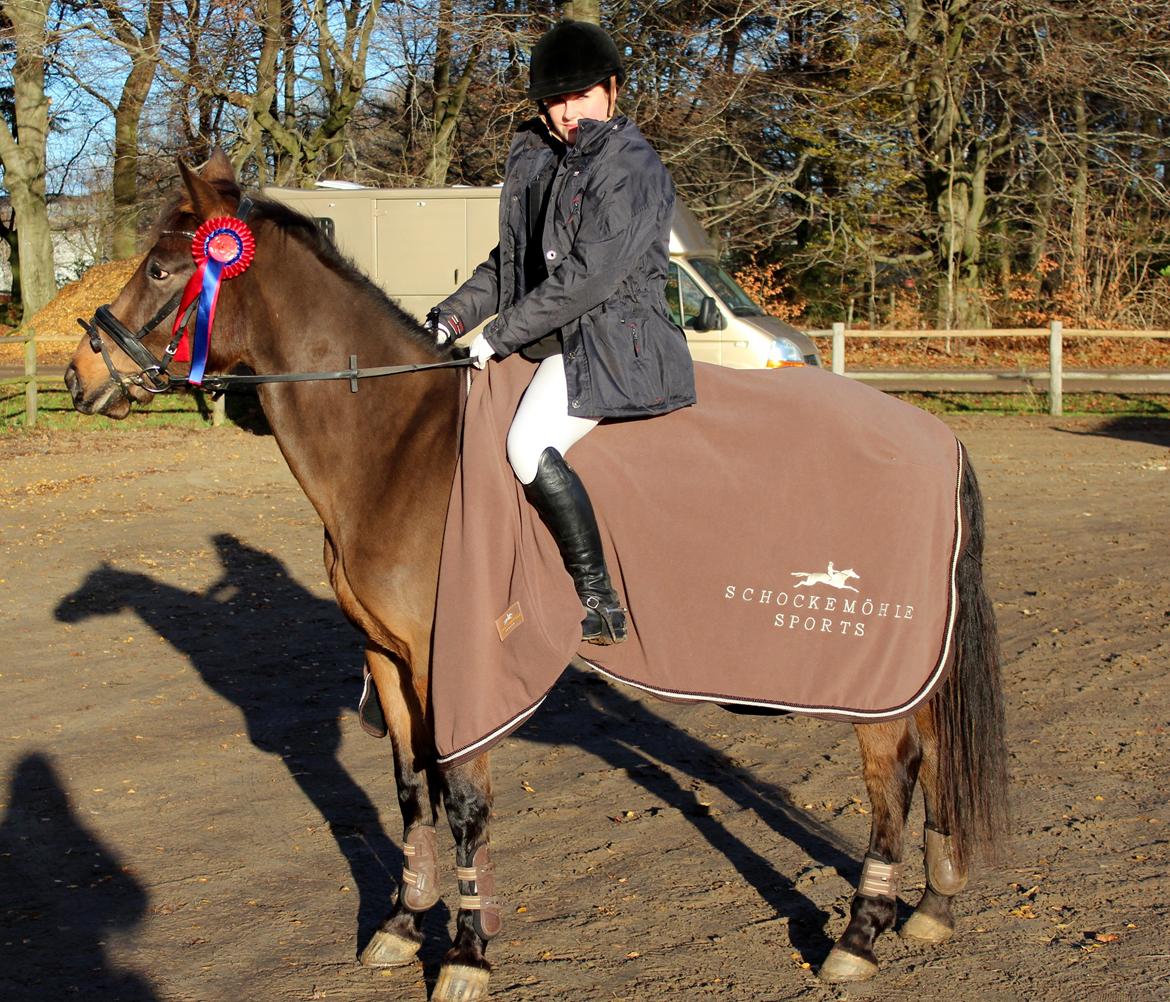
point(789, 542)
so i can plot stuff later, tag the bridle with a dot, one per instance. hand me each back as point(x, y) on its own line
point(154, 377)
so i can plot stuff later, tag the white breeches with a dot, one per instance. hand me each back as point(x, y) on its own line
point(542, 420)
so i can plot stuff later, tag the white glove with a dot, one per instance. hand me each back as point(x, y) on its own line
point(480, 350)
point(442, 333)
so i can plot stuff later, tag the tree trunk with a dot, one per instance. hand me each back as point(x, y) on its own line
point(144, 56)
point(583, 10)
point(23, 154)
point(449, 98)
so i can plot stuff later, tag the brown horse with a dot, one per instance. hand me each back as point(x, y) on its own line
point(300, 307)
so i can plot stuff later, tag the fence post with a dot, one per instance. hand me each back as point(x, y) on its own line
point(839, 348)
point(30, 387)
point(1055, 369)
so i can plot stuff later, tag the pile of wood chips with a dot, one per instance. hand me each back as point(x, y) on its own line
point(58, 318)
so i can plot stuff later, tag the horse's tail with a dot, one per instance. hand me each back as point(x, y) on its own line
point(969, 708)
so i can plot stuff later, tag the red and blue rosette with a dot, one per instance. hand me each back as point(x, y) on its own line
point(222, 248)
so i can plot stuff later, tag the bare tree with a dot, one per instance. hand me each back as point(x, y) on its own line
point(23, 150)
point(137, 32)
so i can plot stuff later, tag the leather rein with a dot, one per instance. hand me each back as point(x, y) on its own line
point(152, 374)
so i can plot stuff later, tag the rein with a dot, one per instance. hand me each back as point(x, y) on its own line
point(153, 376)
point(220, 384)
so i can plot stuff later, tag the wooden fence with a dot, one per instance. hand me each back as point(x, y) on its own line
point(1055, 373)
point(29, 378)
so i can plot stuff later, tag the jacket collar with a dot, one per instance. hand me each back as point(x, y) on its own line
point(591, 135)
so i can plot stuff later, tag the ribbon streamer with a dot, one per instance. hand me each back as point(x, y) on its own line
point(222, 248)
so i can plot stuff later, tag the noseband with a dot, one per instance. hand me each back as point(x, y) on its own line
point(152, 374)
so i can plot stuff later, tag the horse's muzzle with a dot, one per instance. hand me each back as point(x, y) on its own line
point(108, 399)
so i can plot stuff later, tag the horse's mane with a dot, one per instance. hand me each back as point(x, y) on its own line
point(305, 231)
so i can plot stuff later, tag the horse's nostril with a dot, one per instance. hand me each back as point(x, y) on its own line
point(71, 380)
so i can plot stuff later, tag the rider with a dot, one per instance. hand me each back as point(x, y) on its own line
point(577, 285)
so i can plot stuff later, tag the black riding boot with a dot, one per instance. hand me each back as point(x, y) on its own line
point(560, 498)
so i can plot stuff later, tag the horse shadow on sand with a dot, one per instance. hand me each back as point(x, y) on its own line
point(62, 895)
point(1150, 430)
point(600, 718)
point(288, 660)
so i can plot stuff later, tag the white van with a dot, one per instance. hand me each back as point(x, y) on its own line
point(420, 244)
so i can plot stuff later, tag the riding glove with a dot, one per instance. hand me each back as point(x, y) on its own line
point(445, 329)
point(480, 350)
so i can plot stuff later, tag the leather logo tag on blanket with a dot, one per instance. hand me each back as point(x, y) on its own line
point(509, 620)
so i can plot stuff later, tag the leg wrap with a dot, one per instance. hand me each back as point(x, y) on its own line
point(942, 875)
point(879, 880)
point(420, 876)
point(477, 893)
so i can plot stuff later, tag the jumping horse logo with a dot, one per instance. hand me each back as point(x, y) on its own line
point(833, 578)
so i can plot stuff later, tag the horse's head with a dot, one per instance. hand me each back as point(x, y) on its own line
point(103, 593)
point(115, 365)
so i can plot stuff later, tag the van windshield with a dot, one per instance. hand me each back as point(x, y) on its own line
point(726, 288)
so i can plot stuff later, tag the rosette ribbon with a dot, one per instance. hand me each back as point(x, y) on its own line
point(222, 248)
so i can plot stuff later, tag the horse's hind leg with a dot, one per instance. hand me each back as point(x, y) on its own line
point(933, 920)
point(398, 939)
point(467, 795)
point(890, 755)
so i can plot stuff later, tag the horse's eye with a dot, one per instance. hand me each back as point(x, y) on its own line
point(158, 272)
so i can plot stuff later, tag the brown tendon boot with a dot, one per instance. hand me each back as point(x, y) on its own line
point(563, 504)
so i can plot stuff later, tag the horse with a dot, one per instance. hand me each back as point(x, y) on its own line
point(378, 466)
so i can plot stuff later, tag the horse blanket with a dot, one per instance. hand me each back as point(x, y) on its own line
point(790, 542)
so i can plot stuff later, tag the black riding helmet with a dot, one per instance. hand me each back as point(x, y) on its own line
point(572, 56)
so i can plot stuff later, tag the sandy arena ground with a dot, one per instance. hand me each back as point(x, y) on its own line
point(189, 810)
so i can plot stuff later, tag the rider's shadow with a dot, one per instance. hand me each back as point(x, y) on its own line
point(62, 894)
point(627, 735)
point(278, 652)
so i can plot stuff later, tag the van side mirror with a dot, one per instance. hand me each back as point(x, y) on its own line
point(709, 318)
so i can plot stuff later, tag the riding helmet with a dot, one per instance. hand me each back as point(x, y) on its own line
point(572, 56)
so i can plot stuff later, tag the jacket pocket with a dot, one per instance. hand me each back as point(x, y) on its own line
point(634, 326)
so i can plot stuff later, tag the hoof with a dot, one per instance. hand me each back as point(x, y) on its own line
point(923, 928)
point(388, 949)
point(460, 983)
point(840, 966)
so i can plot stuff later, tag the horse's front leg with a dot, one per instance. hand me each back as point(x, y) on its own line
point(890, 755)
point(398, 939)
point(467, 794)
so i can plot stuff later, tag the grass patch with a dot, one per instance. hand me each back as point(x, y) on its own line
point(180, 409)
point(1030, 402)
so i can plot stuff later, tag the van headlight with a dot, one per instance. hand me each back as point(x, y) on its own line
point(782, 354)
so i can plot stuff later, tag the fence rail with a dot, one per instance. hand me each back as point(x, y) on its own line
point(30, 342)
point(1055, 332)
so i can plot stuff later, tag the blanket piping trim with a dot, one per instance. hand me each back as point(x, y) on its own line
point(837, 712)
point(832, 712)
point(489, 739)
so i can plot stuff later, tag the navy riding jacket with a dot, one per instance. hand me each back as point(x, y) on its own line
point(607, 204)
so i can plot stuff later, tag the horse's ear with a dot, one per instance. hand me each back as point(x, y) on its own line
point(218, 167)
point(207, 200)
